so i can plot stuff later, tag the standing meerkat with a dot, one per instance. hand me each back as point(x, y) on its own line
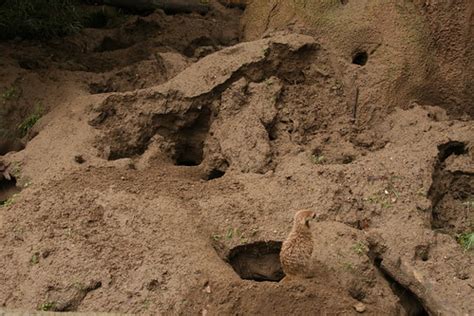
point(297, 249)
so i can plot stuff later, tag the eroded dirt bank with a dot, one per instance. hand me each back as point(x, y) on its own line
point(153, 180)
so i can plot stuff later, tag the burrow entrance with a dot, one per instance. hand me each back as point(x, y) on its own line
point(409, 301)
point(360, 58)
point(451, 193)
point(8, 188)
point(259, 261)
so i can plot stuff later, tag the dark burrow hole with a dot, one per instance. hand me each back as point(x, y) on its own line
point(408, 300)
point(8, 188)
point(214, 174)
point(360, 58)
point(450, 192)
point(344, 2)
point(259, 261)
point(190, 141)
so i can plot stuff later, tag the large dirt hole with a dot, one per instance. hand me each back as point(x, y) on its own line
point(451, 193)
point(259, 261)
point(8, 188)
point(409, 301)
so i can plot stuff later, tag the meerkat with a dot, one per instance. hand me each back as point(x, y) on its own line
point(297, 249)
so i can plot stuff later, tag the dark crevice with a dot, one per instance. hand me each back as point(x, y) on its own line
point(215, 174)
point(189, 141)
point(449, 191)
point(259, 261)
point(409, 301)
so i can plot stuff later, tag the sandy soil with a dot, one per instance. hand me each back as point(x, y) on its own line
point(170, 158)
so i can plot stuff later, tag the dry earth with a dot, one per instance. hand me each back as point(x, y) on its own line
point(169, 161)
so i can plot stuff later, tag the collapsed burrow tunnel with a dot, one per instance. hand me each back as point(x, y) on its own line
point(451, 193)
point(258, 261)
point(409, 301)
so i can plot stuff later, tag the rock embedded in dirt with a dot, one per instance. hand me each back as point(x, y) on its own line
point(360, 307)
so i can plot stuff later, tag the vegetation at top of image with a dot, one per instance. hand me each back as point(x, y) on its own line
point(466, 241)
point(30, 121)
point(38, 18)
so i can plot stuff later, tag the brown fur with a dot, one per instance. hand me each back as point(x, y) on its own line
point(296, 251)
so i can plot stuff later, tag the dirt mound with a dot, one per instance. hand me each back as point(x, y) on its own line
point(416, 50)
point(175, 198)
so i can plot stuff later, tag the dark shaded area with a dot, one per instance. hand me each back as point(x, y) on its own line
point(259, 261)
point(8, 188)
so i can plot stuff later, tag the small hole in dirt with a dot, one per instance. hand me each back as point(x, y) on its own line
point(215, 174)
point(409, 301)
point(8, 188)
point(259, 261)
point(360, 58)
point(344, 2)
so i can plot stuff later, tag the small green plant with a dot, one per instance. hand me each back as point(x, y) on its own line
point(318, 159)
point(359, 248)
point(216, 237)
point(466, 241)
point(47, 306)
point(349, 267)
point(8, 202)
point(230, 234)
point(12, 93)
point(30, 121)
point(34, 258)
point(469, 203)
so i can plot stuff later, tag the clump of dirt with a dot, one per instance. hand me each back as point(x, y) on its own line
point(171, 159)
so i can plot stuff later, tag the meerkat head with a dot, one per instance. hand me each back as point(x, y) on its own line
point(303, 217)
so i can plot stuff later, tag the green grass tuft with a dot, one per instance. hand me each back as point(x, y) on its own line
point(38, 19)
point(30, 121)
point(47, 306)
point(466, 241)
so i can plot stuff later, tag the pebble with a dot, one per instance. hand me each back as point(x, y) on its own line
point(360, 307)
